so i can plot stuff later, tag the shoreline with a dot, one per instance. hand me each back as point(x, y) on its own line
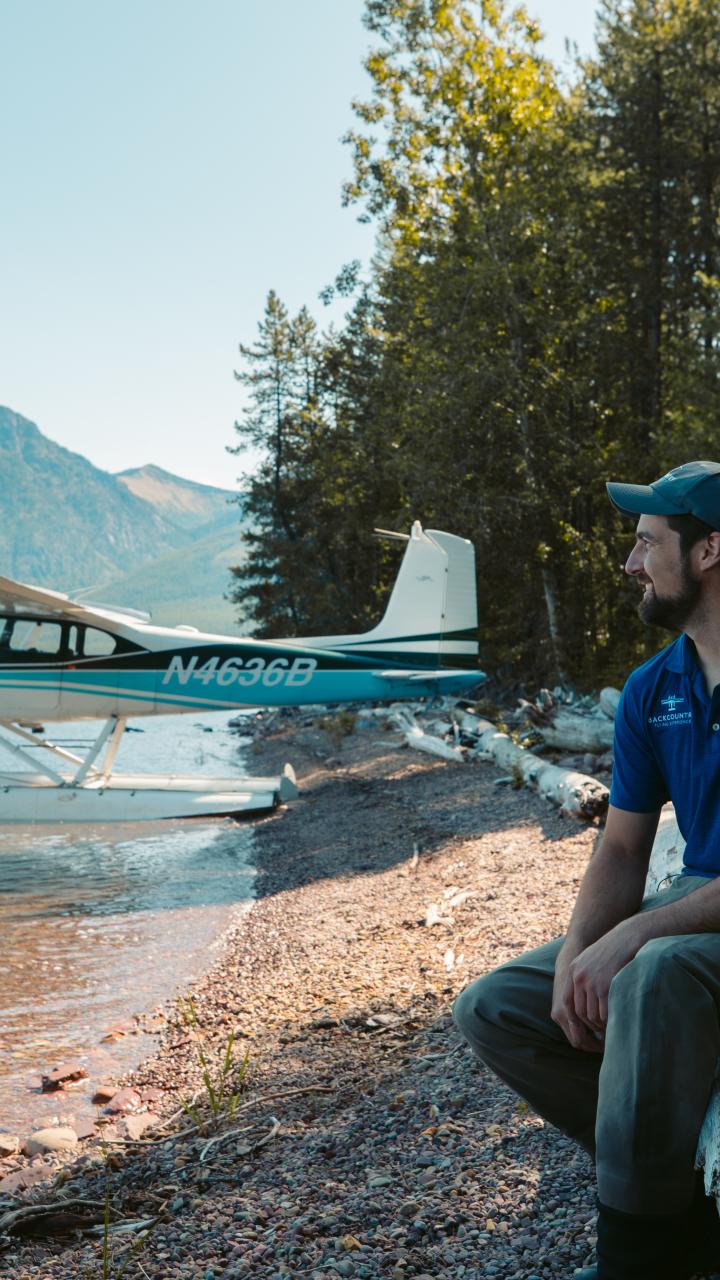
point(374, 1145)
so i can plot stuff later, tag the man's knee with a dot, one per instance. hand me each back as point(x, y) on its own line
point(659, 968)
point(476, 1009)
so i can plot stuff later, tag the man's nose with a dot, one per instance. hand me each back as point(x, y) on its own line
point(635, 561)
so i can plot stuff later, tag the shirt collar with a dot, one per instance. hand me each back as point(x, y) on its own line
point(681, 657)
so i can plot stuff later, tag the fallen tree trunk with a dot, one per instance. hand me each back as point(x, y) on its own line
point(609, 699)
point(575, 731)
point(571, 730)
point(419, 740)
point(666, 858)
point(582, 725)
point(576, 793)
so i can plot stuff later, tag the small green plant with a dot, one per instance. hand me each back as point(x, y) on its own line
point(224, 1087)
point(110, 1269)
point(338, 727)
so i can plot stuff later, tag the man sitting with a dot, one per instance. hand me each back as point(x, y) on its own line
point(613, 1033)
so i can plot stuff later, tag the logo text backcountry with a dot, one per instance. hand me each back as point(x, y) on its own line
point(671, 716)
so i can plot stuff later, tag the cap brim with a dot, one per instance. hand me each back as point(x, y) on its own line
point(641, 500)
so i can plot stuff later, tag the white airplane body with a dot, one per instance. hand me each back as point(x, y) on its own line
point(61, 660)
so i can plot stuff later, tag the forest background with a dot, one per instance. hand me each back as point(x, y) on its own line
point(542, 314)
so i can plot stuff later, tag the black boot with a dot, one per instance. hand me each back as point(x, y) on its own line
point(704, 1230)
point(643, 1246)
point(696, 1244)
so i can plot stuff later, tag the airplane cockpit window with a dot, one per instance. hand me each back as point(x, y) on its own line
point(33, 638)
point(36, 640)
point(98, 644)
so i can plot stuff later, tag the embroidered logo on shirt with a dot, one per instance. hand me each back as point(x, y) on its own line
point(672, 716)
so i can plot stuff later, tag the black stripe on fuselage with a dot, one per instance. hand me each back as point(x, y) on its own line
point(160, 659)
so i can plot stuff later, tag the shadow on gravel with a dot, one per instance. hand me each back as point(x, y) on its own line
point(437, 1163)
point(334, 828)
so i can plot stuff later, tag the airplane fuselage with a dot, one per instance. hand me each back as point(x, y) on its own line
point(63, 659)
point(62, 669)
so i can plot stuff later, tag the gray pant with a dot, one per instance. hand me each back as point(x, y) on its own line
point(639, 1107)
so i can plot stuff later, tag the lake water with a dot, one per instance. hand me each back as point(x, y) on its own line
point(99, 925)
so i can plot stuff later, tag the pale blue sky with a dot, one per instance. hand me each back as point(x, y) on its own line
point(164, 164)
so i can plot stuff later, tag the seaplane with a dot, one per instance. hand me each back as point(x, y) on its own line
point(63, 659)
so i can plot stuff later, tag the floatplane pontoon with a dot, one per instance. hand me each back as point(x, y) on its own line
point(62, 660)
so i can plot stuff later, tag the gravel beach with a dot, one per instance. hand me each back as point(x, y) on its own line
point(365, 1140)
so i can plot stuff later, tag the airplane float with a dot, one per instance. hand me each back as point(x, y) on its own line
point(63, 660)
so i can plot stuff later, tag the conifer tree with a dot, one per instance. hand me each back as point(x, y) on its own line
point(542, 315)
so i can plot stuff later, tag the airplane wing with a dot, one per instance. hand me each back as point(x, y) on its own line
point(14, 593)
point(21, 595)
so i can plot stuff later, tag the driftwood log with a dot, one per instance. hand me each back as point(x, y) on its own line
point(576, 793)
point(609, 699)
point(420, 740)
point(575, 727)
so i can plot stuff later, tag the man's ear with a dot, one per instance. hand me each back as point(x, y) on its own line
point(710, 551)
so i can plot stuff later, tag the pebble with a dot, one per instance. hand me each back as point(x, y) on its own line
point(56, 1138)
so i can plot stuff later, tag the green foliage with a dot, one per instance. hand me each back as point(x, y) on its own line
point(111, 1267)
point(542, 315)
point(338, 727)
point(224, 1083)
point(322, 483)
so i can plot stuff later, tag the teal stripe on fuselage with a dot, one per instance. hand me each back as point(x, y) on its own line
point(172, 696)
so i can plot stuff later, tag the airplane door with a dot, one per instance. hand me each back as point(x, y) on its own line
point(90, 686)
point(32, 651)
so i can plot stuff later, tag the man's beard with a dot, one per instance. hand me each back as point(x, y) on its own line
point(671, 612)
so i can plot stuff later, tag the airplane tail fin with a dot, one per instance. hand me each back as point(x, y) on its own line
point(431, 618)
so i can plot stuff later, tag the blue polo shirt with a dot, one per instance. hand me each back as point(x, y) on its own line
point(667, 747)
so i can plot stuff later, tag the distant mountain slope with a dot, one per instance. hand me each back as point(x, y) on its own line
point(64, 522)
point(184, 503)
point(146, 538)
point(187, 585)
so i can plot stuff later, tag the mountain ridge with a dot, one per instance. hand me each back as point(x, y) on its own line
point(185, 502)
point(68, 525)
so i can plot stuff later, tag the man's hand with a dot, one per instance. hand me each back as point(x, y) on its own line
point(563, 1012)
point(582, 983)
point(594, 969)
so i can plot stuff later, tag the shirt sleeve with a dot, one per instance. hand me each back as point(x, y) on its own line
point(637, 782)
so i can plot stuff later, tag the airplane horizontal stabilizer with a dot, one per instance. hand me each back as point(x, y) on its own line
point(410, 677)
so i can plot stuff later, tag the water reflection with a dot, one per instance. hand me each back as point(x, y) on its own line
point(81, 871)
point(99, 924)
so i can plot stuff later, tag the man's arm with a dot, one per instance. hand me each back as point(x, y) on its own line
point(594, 969)
point(610, 895)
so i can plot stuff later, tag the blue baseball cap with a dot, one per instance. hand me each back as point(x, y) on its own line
point(690, 490)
